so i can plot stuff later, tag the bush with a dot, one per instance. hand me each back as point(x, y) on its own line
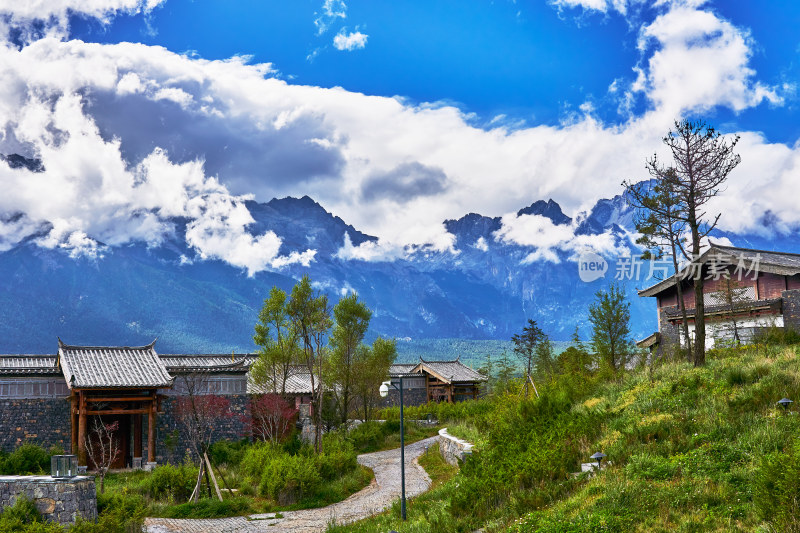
point(227, 452)
point(287, 479)
point(171, 483)
point(117, 513)
point(27, 459)
point(338, 458)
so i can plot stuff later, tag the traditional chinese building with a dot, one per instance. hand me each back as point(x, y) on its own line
point(57, 400)
point(744, 292)
point(434, 381)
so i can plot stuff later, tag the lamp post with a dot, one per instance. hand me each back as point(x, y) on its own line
point(785, 403)
point(384, 391)
point(599, 456)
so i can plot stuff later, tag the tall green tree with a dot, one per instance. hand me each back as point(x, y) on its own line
point(278, 338)
point(371, 368)
point(351, 321)
point(310, 314)
point(545, 363)
point(610, 316)
point(661, 223)
point(575, 359)
point(701, 162)
point(525, 348)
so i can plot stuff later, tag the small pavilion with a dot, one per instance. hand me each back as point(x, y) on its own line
point(119, 384)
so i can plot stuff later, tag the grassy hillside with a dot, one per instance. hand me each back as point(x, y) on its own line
point(689, 449)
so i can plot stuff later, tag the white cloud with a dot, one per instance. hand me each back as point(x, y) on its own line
point(547, 238)
point(132, 135)
point(349, 41)
point(699, 61)
point(331, 11)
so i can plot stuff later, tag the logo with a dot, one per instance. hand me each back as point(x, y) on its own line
point(591, 266)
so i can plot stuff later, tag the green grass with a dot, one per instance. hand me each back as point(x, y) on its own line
point(468, 432)
point(689, 450)
point(437, 468)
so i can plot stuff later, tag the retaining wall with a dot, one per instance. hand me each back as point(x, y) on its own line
point(58, 500)
point(453, 449)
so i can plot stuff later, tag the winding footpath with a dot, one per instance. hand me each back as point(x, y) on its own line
point(380, 494)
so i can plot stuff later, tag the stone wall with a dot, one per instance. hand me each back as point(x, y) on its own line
point(42, 421)
point(417, 396)
point(58, 500)
point(453, 449)
point(791, 309)
point(171, 445)
point(670, 334)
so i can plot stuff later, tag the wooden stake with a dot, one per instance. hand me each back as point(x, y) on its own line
point(213, 477)
point(196, 491)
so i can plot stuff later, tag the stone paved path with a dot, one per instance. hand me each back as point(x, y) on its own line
point(379, 495)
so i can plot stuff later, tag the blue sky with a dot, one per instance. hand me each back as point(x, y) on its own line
point(394, 116)
point(528, 60)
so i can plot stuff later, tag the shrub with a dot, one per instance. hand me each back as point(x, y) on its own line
point(287, 479)
point(172, 483)
point(27, 459)
point(227, 452)
point(255, 458)
point(338, 459)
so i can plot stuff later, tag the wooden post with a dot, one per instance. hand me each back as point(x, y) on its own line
point(137, 435)
point(73, 423)
point(82, 429)
point(151, 432)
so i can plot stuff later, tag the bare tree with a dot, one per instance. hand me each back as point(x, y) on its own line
point(701, 161)
point(103, 448)
point(199, 413)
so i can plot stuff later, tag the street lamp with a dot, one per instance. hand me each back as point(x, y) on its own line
point(599, 456)
point(785, 403)
point(384, 391)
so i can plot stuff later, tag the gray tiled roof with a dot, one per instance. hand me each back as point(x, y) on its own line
point(112, 366)
point(217, 363)
point(28, 364)
point(452, 371)
point(298, 382)
point(401, 368)
point(780, 263)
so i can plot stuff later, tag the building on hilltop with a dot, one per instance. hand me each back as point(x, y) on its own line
point(745, 291)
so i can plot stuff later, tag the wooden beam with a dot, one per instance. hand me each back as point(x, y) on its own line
point(151, 434)
point(82, 431)
point(141, 411)
point(137, 436)
point(96, 399)
point(73, 423)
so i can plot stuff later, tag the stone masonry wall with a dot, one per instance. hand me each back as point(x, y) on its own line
point(172, 446)
point(670, 333)
point(58, 500)
point(410, 397)
point(453, 449)
point(42, 421)
point(791, 309)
